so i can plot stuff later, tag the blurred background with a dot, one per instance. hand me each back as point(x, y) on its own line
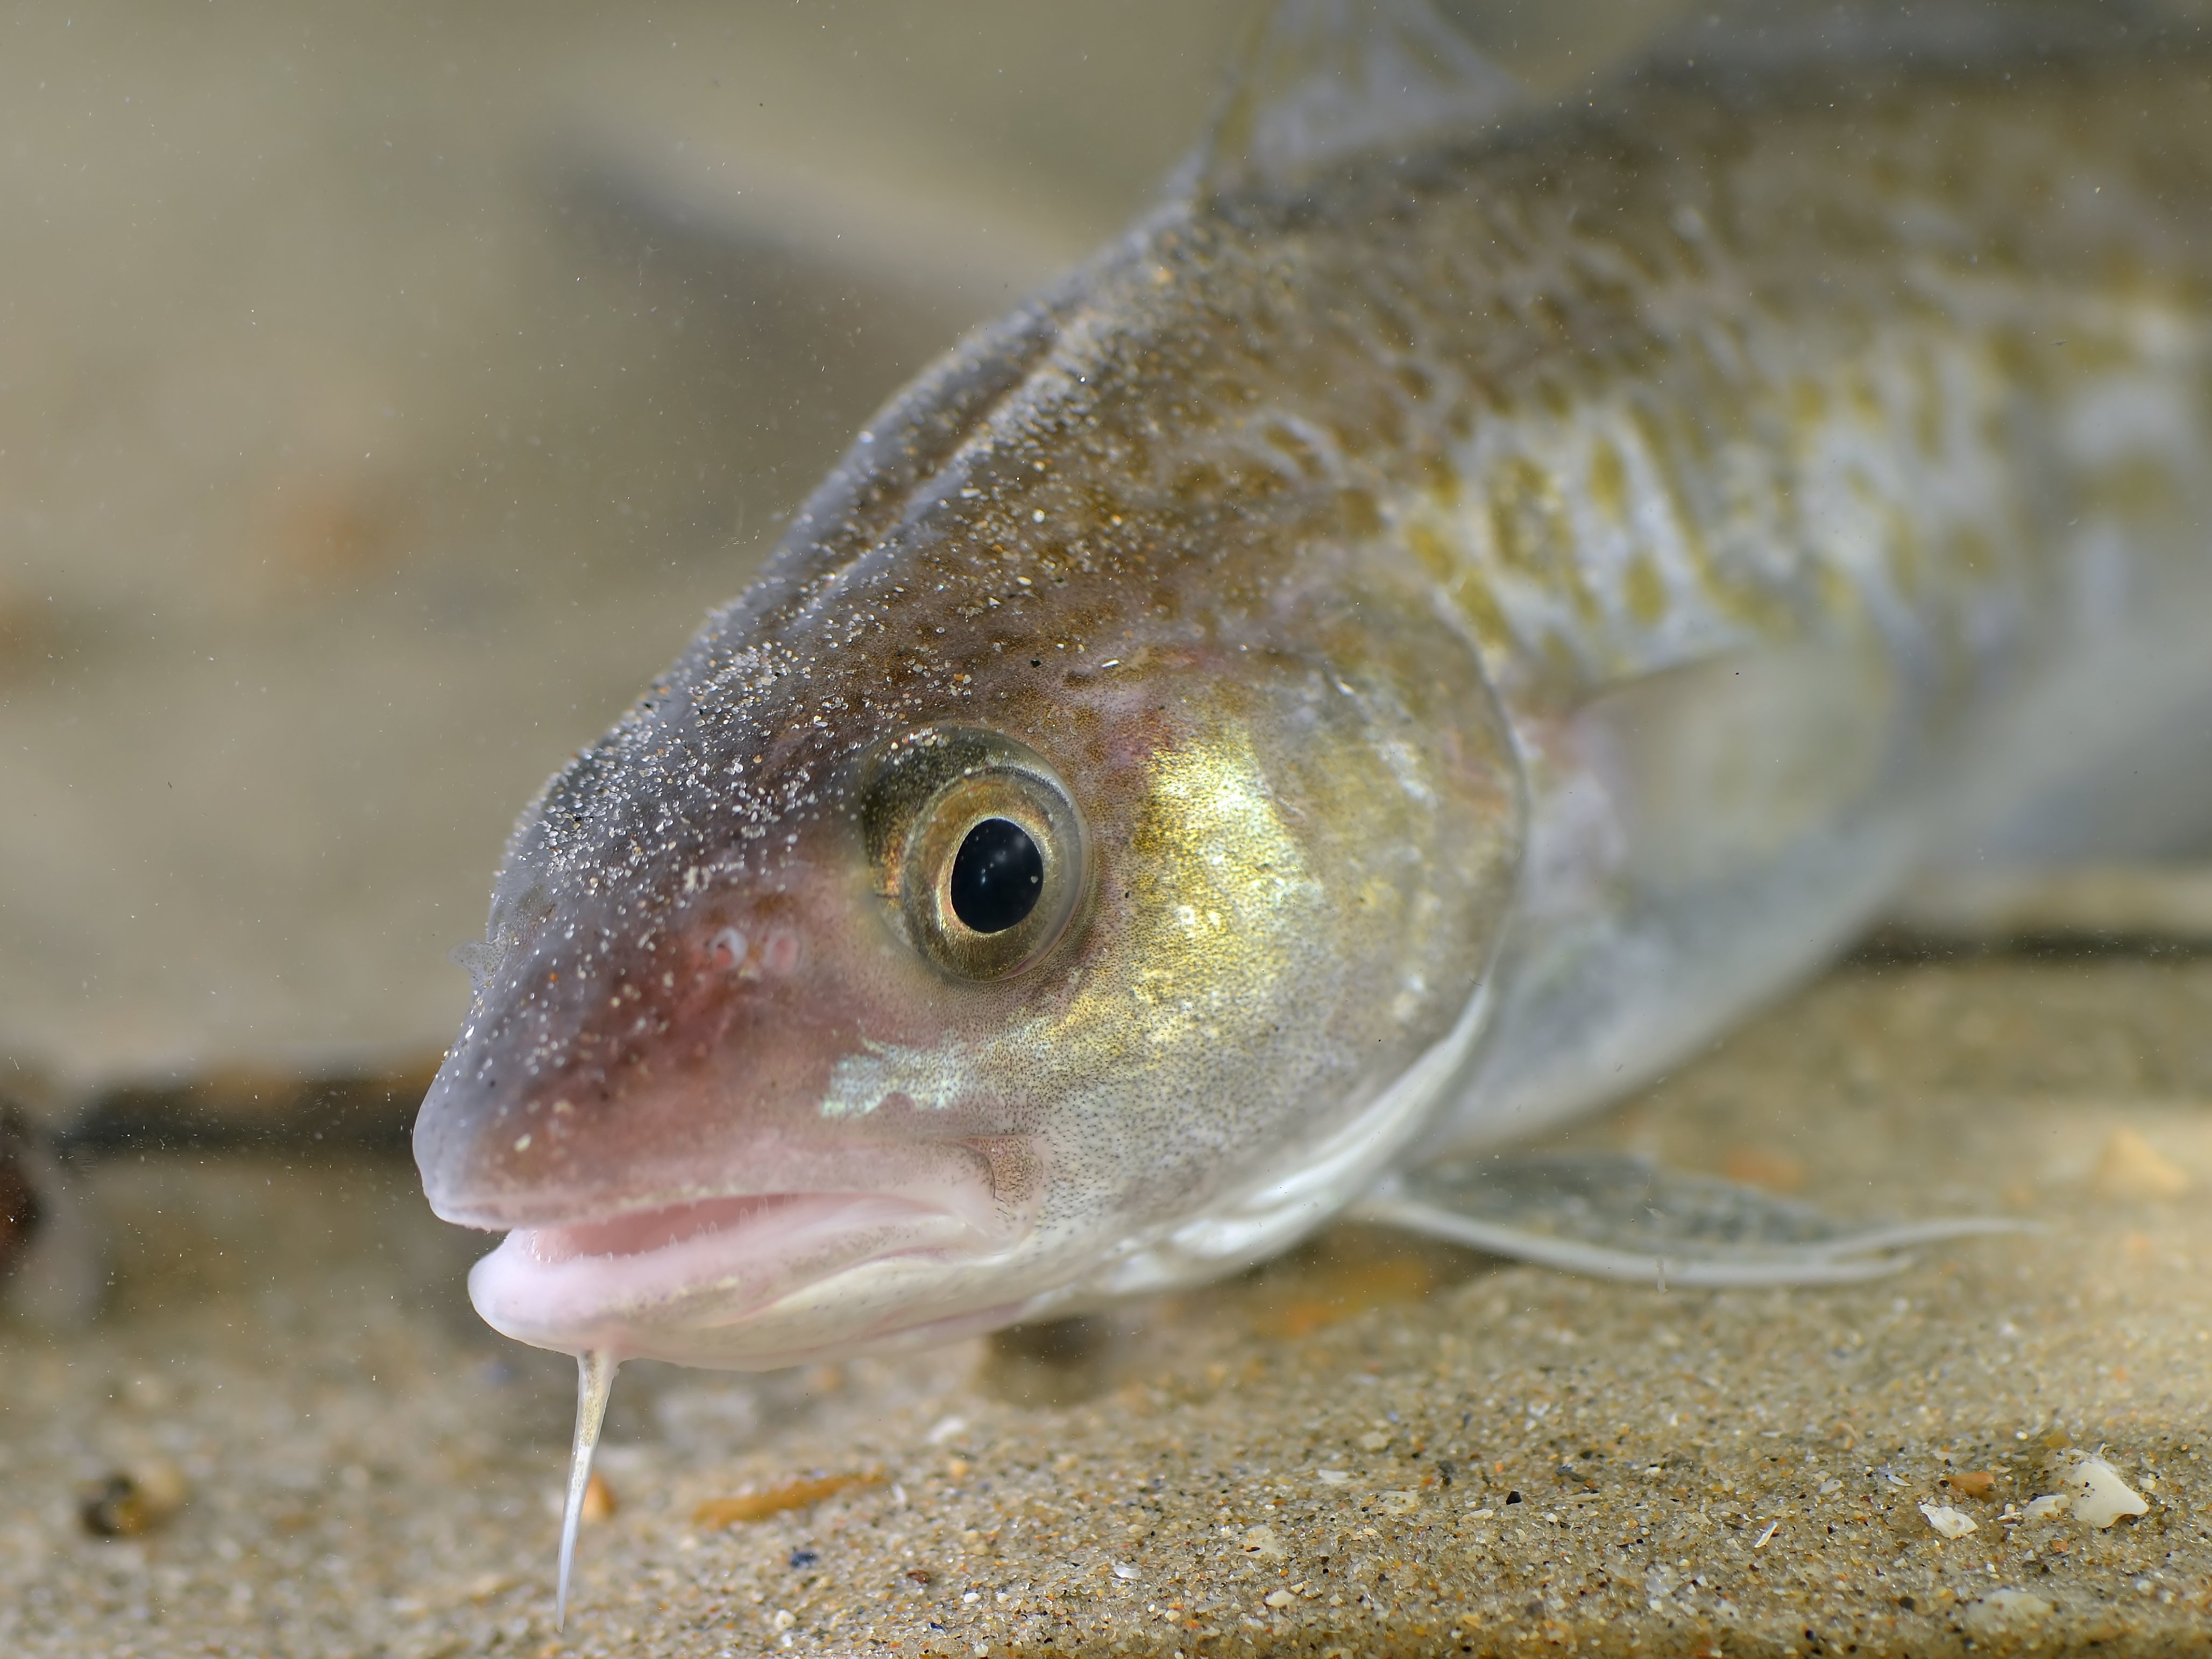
point(385, 393)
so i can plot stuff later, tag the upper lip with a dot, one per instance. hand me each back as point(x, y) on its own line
point(599, 1204)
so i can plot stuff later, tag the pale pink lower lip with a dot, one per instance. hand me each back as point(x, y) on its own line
point(612, 1282)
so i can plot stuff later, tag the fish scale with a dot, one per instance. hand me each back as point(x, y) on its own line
point(1709, 449)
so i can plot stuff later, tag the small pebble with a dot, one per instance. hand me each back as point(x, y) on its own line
point(1974, 1483)
point(130, 1502)
point(1760, 1166)
point(2131, 1167)
point(599, 1502)
point(793, 1495)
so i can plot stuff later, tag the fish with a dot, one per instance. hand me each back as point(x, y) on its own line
point(1471, 595)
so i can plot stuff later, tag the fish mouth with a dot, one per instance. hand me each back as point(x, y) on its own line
point(637, 1283)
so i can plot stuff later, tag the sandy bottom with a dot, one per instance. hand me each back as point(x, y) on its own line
point(1370, 1448)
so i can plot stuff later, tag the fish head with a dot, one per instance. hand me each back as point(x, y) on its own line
point(946, 930)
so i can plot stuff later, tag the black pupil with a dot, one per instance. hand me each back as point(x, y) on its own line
point(998, 876)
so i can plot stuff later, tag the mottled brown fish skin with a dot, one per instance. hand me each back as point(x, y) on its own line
point(1314, 493)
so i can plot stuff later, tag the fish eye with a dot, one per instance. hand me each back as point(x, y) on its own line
point(978, 847)
point(998, 876)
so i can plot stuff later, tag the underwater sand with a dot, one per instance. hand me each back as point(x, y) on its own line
point(1321, 1457)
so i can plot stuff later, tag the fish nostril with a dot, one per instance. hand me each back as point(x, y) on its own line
point(780, 954)
point(727, 950)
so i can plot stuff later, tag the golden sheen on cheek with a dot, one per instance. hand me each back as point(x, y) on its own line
point(1214, 896)
point(1209, 897)
point(1218, 887)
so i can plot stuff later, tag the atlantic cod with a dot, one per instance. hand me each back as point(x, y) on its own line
point(1468, 598)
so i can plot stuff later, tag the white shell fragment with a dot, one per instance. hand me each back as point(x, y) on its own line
point(2004, 1611)
point(2049, 1507)
point(1950, 1522)
point(2099, 1496)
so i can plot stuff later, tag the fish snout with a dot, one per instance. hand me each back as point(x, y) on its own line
point(592, 1054)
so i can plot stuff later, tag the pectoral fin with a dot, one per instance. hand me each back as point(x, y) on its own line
point(1608, 1216)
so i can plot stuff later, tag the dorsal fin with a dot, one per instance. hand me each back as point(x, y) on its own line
point(1321, 81)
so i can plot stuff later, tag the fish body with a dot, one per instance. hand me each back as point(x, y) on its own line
point(1397, 650)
